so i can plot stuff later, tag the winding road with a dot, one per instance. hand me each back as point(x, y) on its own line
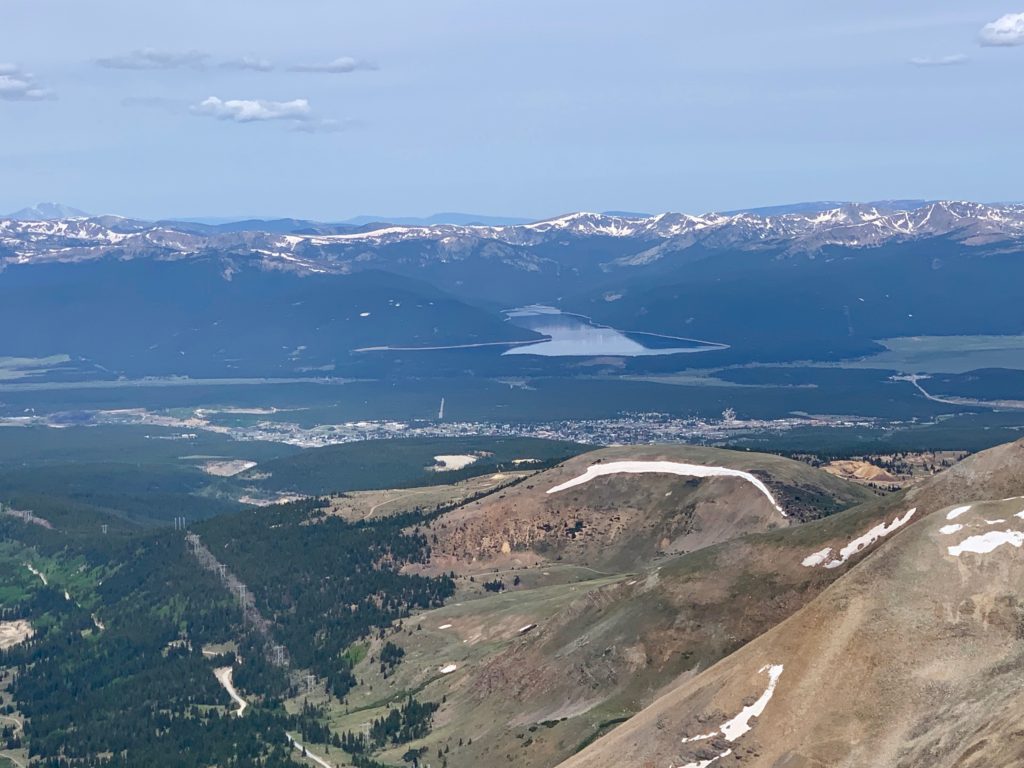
point(223, 675)
point(997, 405)
point(315, 758)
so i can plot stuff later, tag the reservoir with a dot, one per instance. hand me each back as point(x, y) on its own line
point(571, 335)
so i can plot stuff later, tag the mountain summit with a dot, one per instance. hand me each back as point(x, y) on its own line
point(47, 212)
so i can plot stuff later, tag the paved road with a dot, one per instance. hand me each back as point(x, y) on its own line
point(999, 405)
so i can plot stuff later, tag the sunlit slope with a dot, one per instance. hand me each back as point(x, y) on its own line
point(554, 662)
point(620, 508)
point(912, 657)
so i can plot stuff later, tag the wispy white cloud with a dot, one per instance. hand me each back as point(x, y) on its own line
point(18, 85)
point(1006, 30)
point(342, 65)
point(253, 63)
point(151, 58)
point(297, 114)
point(940, 61)
point(253, 110)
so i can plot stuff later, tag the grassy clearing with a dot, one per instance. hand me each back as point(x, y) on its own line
point(471, 629)
point(65, 574)
point(363, 505)
point(946, 354)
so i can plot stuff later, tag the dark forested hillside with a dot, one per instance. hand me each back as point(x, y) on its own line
point(327, 584)
point(117, 667)
point(400, 463)
point(200, 317)
point(119, 664)
point(773, 306)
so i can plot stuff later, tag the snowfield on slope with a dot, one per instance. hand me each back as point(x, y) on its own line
point(665, 468)
point(824, 557)
point(980, 543)
point(737, 726)
point(953, 514)
point(984, 543)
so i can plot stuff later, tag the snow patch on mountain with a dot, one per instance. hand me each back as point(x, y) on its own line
point(824, 557)
point(737, 726)
point(74, 238)
point(665, 468)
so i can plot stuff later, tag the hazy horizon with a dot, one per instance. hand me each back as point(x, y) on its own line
point(525, 110)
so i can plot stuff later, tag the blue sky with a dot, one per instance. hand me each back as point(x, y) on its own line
point(328, 109)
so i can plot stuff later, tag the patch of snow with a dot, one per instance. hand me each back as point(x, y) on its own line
point(702, 737)
point(445, 626)
point(706, 763)
point(817, 558)
point(861, 542)
point(739, 725)
point(948, 529)
point(448, 669)
point(987, 542)
point(953, 514)
point(665, 467)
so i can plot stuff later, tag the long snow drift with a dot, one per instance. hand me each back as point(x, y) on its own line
point(824, 557)
point(987, 542)
point(665, 468)
point(739, 725)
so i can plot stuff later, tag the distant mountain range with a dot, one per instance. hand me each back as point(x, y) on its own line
point(808, 282)
point(309, 246)
point(358, 221)
point(46, 211)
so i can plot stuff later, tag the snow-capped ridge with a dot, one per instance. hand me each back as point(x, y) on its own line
point(846, 226)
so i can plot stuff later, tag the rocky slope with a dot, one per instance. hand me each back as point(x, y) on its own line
point(626, 519)
point(570, 650)
point(912, 657)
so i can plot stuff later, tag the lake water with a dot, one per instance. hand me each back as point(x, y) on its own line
point(578, 336)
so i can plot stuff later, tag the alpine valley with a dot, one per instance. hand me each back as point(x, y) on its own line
point(818, 284)
point(284, 493)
